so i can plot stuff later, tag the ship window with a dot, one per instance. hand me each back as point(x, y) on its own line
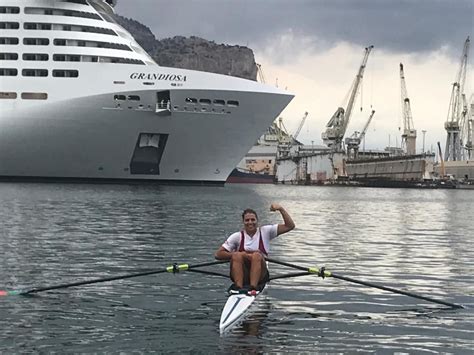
point(9, 25)
point(93, 44)
point(34, 56)
point(8, 72)
point(205, 101)
point(59, 57)
point(120, 97)
point(66, 58)
point(8, 95)
point(118, 60)
point(36, 41)
point(65, 73)
point(8, 40)
point(191, 100)
point(61, 12)
point(68, 27)
point(34, 72)
point(133, 98)
point(82, 2)
point(218, 102)
point(232, 103)
point(37, 26)
point(90, 58)
point(8, 56)
point(9, 10)
point(34, 96)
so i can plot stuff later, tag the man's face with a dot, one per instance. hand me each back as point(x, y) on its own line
point(250, 223)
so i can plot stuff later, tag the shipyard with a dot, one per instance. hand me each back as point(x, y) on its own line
point(278, 157)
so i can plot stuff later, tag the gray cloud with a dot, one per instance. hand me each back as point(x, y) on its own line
point(398, 26)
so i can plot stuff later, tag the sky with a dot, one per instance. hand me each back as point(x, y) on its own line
point(313, 49)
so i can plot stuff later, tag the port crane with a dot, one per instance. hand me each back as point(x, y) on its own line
point(298, 130)
point(286, 140)
point(337, 125)
point(469, 129)
point(456, 111)
point(442, 171)
point(353, 142)
point(409, 131)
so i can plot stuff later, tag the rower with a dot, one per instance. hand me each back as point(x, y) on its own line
point(248, 248)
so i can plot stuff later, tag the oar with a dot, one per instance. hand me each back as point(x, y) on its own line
point(324, 273)
point(173, 269)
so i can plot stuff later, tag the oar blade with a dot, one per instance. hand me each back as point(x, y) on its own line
point(4, 293)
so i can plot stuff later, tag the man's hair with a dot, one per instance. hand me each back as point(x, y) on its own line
point(249, 210)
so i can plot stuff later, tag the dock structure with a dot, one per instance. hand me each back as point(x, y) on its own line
point(316, 165)
point(462, 170)
point(372, 168)
point(392, 171)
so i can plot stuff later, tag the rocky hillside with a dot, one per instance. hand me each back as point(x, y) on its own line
point(194, 52)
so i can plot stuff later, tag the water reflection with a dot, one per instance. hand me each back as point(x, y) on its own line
point(415, 240)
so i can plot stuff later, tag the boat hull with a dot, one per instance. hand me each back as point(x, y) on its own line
point(90, 138)
point(242, 177)
point(235, 309)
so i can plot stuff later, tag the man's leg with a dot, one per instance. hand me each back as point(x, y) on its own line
point(237, 269)
point(258, 269)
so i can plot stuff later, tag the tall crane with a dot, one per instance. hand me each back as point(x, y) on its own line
point(409, 131)
point(337, 125)
point(442, 171)
point(469, 129)
point(353, 142)
point(298, 130)
point(453, 149)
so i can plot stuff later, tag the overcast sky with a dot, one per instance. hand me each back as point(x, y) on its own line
point(314, 49)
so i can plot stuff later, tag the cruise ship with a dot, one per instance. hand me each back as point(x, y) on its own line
point(80, 100)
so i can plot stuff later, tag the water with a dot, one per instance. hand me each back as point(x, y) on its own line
point(416, 240)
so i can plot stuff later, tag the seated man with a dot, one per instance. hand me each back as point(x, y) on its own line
point(248, 248)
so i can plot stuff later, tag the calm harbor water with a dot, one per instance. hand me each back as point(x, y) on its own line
point(416, 240)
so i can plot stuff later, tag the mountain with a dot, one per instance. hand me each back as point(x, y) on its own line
point(193, 52)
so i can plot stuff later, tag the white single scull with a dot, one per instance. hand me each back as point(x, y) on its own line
point(235, 309)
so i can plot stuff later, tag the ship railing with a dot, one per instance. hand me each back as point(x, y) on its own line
point(163, 107)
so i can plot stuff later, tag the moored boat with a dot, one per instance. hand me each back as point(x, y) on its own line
point(81, 100)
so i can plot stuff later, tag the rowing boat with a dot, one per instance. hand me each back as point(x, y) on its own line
point(236, 307)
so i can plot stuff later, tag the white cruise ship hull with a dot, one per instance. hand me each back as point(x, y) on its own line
point(113, 121)
point(89, 138)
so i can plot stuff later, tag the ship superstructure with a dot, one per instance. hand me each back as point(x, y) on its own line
point(80, 99)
